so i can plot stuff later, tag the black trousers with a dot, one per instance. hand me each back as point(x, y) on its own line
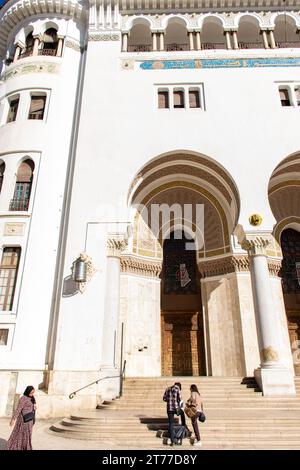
point(171, 415)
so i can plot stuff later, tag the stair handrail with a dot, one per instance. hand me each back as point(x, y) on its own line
point(121, 376)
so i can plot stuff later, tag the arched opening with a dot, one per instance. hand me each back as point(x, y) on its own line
point(29, 43)
point(183, 351)
point(249, 36)
point(285, 32)
point(140, 38)
point(2, 170)
point(284, 196)
point(290, 245)
point(184, 208)
point(176, 38)
point(49, 42)
point(22, 192)
point(213, 34)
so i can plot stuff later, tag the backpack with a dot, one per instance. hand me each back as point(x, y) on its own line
point(179, 434)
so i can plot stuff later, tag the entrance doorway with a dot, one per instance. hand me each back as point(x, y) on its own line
point(290, 244)
point(183, 351)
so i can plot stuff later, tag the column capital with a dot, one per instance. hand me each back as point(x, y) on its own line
point(116, 243)
point(256, 243)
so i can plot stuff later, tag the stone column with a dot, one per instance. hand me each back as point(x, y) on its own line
point(115, 245)
point(125, 42)
point(265, 40)
point(17, 53)
point(235, 40)
point(154, 42)
point(198, 40)
point(191, 39)
point(162, 41)
point(59, 47)
point(36, 45)
point(273, 377)
point(228, 41)
point(272, 40)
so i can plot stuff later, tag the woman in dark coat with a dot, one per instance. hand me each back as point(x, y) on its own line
point(20, 438)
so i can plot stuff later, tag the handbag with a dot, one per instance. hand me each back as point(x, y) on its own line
point(202, 417)
point(190, 409)
point(29, 417)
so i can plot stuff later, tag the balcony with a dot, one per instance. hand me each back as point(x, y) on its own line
point(49, 52)
point(19, 205)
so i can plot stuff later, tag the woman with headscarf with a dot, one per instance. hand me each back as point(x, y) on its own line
point(23, 420)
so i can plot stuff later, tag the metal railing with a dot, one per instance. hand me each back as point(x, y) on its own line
point(140, 48)
point(51, 52)
point(287, 44)
point(121, 376)
point(19, 205)
point(251, 45)
point(177, 47)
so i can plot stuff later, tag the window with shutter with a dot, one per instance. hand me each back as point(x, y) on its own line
point(194, 98)
point(37, 107)
point(178, 97)
point(13, 109)
point(284, 97)
point(8, 276)
point(163, 99)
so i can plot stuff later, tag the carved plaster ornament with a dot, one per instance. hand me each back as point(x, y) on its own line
point(269, 354)
point(255, 220)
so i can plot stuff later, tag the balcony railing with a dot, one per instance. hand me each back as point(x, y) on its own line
point(288, 44)
point(177, 47)
point(50, 52)
point(19, 205)
point(140, 48)
point(213, 45)
point(26, 53)
point(251, 45)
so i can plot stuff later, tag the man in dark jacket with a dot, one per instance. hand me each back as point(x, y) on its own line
point(174, 401)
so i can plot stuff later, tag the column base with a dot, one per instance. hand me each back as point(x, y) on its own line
point(275, 381)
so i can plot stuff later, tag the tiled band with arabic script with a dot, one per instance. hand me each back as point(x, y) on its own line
point(218, 63)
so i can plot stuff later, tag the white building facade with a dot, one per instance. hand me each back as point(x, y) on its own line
point(112, 110)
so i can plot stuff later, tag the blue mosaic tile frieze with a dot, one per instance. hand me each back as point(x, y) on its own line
point(218, 63)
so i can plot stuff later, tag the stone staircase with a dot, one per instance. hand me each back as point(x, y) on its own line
point(238, 416)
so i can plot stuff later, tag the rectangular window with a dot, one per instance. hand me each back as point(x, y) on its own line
point(178, 97)
point(8, 276)
point(284, 97)
point(194, 98)
point(13, 109)
point(163, 99)
point(3, 336)
point(37, 107)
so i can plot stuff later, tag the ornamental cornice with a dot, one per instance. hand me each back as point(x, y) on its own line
point(116, 244)
point(31, 67)
point(274, 266)
point(104, 37)
point(222, 266)
point(140, 267)
point(256, 244)
point(72, 45)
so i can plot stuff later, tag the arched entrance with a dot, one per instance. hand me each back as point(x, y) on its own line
point(183, 351)
point(184, 318)
point(284, 194)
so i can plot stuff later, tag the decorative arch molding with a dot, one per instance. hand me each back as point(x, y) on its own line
point(12, 14)
point(256, 16)
point(290, 14)
point(290, 222)
point(170, 18)
point(135, 20)
point(212, 16)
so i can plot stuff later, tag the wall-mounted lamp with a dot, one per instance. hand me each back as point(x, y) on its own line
point(79, 269)
point(82, 270)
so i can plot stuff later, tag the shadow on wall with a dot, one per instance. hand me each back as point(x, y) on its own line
point(70, 287)
point(2, 444)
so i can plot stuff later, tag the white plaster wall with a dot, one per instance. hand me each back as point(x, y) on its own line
point(249, 332)
point(47, 142)
point(223, 326)
point(281, 318)
point(140, 311)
